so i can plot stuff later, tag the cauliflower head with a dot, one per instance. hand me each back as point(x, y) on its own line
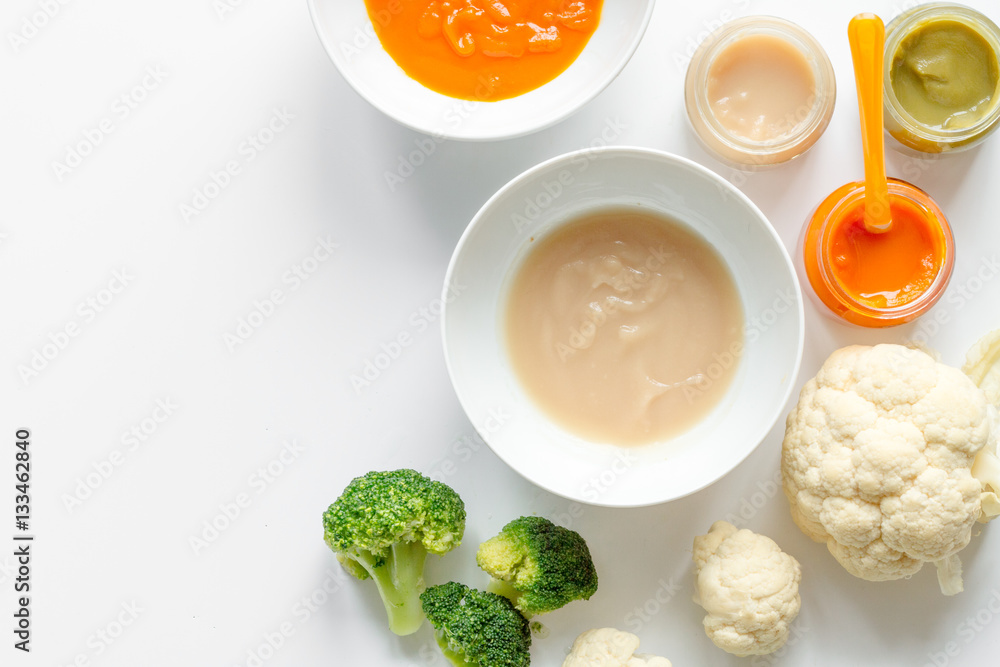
point(608, 647)
point(877, 461)
point(748, 586)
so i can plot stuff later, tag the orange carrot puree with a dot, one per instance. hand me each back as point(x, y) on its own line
point(484, 50)
point(890, 269)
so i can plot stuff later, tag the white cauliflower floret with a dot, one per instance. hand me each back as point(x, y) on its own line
point(878, 457)
point(608, 647)
point(748, 586)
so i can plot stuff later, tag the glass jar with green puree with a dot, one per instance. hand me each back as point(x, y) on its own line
point(942, 78)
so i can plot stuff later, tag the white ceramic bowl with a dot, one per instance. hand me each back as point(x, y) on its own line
point(541, 199)
point(348, 37)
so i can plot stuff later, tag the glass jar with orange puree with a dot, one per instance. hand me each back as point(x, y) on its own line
point(878, 279)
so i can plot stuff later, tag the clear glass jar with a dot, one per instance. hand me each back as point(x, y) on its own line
point(815, 257)
point(804, 123)
point(910, 133)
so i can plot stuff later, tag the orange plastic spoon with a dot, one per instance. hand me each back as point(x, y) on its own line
point(867, 35)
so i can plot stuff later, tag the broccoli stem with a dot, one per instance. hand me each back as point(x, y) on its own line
point(507, 590)
point(400, 581)
point(456, 658)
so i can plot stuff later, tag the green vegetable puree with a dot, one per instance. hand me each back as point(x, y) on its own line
point(945, 74)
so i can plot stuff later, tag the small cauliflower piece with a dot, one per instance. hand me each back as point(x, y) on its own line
point(878, 457)
point(608, 647)
point(748, 586)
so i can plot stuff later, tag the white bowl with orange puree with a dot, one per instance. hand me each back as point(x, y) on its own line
point(480, 69)
point(628, 329)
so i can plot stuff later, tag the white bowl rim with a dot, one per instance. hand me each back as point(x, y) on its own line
point(635, 151)
point(548, 121)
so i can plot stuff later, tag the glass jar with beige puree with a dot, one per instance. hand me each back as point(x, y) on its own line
point(759, 91)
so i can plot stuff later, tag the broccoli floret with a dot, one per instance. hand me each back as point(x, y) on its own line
point(383, 525)
point(538, 565)
point(477, 629)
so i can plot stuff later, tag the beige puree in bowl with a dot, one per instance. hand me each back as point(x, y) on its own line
point(624, 326)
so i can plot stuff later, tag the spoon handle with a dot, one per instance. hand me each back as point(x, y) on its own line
point(867, 36)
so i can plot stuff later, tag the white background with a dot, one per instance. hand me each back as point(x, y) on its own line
point(188, 284)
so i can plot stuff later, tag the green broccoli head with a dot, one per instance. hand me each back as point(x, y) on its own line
point(538, 565)
point(477, 629)
point(383, 525)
